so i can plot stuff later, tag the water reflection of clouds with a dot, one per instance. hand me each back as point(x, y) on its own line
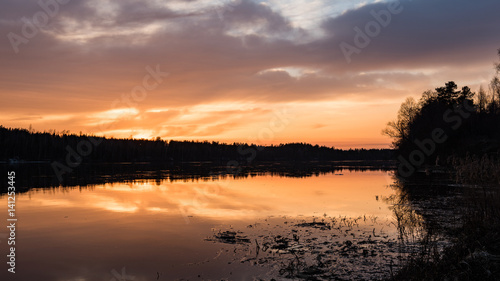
point(51, 202)
point(113, 224)
point(113, 205)
point(351, 195)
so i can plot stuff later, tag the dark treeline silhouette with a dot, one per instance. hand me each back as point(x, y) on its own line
point(29, 176)
point(448, 123)
point(27, 145)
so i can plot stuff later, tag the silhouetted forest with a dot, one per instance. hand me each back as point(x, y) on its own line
point(27, 145)
point(447, 123)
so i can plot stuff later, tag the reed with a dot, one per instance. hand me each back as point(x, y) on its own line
point(475, 252)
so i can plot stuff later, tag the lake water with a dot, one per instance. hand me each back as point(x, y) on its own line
point(263, 226)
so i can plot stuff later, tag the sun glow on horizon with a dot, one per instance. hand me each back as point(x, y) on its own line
point(263, 72)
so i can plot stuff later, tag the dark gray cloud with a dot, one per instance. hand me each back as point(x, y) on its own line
point(424, 34)
point(249, 14)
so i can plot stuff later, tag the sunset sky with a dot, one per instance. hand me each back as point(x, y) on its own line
point(265, 71)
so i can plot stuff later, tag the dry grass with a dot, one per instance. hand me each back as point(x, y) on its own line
point(476, 170)
point(482, 200)
point(475, 254)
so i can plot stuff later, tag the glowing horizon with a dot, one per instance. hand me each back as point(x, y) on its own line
point(264, 72)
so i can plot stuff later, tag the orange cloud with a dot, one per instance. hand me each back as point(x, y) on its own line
point(231, 65)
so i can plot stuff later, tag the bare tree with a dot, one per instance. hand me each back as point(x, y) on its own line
point(495, 88)
point(495, 94)
point(497, 65)
point(399, 129)
point(482, 100)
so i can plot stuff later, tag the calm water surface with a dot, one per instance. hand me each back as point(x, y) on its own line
point(161, 230)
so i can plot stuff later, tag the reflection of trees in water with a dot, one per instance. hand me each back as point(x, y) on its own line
point(409, 223)
point(459, 239)
point(42, 175)
point(421, 235)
